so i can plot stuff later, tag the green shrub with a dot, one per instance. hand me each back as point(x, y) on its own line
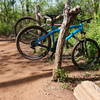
point(62, 75)
point(93, 31)
point(5, 29)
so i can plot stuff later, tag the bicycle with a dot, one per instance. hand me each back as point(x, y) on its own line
point(85, 53)
point(28, 21)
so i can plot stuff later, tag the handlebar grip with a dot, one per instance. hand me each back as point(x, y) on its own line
point(86, 20)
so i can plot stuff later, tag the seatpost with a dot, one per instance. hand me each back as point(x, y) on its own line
point(52, 26)
point(52, 21)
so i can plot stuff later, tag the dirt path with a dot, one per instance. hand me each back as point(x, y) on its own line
point(13, 66)
point(35, 90)
point(21, 79)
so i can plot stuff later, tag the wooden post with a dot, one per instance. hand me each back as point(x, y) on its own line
point(37, 10)
point(69, 16)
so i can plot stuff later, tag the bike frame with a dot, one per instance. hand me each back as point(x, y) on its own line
point(54, 30)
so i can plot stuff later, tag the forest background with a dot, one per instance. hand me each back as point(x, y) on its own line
point(12, 10)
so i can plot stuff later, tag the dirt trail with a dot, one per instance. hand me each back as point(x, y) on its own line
point(35, 90)
point(12, 64)
point(21, 79)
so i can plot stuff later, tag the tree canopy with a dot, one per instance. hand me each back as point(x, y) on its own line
point(12, 10)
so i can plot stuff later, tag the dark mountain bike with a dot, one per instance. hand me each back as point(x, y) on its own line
point(28, 21)
point(23, 22)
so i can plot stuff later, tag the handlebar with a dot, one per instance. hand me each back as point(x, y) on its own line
point(86, 20)
point(52, 18)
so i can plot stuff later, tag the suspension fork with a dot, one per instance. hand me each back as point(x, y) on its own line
point(83, 47)
point(53, 37)
point(54, 48)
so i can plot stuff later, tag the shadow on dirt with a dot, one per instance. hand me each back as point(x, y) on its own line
point(47, 74)
point(24, 80)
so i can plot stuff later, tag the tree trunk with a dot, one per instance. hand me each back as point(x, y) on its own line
point(37, 10)
point(69, 16)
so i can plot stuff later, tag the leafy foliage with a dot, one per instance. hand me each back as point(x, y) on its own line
point(5, 29)
point(12, 10)
point(93, 30)
point(62, 75)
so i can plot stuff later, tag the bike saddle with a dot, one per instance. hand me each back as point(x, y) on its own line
point(51, 17)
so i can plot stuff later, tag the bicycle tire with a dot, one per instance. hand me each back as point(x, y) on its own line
point(29, 53)
point(92, 56)
point(21, 20)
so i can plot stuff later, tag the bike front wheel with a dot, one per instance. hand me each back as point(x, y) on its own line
point(85, 53)
point(30, 48)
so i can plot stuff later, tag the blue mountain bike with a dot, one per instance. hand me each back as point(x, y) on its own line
point(38, 42)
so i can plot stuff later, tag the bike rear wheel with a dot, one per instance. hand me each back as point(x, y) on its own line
point(30, 49)
point(85, 53)
point(24, 22)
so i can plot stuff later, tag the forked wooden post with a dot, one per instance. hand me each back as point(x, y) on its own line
point(69, 16)
point(37, 10)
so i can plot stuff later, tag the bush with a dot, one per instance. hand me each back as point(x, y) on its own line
point(93, 31)
point(5, 29)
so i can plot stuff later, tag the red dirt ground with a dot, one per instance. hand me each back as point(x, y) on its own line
point(22, 79)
